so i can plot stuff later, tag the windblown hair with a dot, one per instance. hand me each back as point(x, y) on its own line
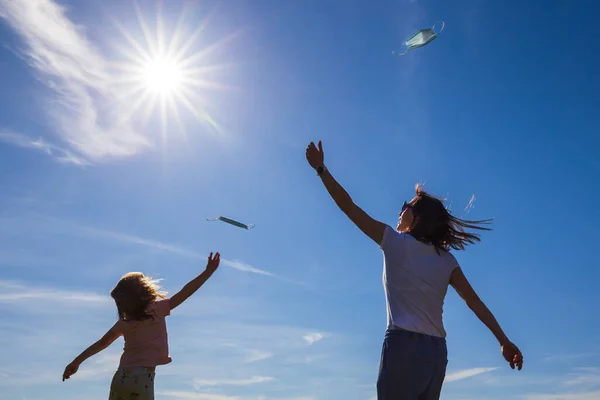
point(434, 224)
point(133, 294)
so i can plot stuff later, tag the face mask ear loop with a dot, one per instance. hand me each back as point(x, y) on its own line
point(436, 24)
point(401, 54)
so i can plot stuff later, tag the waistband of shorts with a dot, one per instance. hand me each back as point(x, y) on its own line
point(132, 369)
point(397, 331)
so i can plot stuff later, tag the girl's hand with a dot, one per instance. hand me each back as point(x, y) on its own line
point(70, 370)
point(213, 262)
point(315, 156)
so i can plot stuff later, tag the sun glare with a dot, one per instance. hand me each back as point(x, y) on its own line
point(167, 73)
point(162, 76)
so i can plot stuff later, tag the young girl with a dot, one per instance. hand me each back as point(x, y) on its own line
point(142, 310)
point(418, 268)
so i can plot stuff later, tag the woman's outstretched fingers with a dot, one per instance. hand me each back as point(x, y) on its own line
point(519, 361)
point(314, 155)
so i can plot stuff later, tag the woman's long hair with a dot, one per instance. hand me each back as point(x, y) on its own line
point(133, 294)
point(434, 224)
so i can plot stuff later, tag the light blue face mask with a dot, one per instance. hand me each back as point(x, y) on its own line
point(419, 39)
point(232, 222)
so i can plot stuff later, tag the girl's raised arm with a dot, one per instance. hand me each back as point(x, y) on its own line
point(197, 282)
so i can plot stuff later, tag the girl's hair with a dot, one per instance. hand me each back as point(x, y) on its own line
point(133, 294)
point(433, 224)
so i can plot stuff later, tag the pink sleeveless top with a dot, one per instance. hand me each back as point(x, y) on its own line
point(146, 341)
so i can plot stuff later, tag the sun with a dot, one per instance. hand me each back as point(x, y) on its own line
point(170, 75)
point(162, 76)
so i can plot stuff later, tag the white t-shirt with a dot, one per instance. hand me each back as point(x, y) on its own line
point(415, 280)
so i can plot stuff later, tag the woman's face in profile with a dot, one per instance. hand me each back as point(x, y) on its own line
point(406, 216)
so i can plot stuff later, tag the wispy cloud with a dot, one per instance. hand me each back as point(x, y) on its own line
point(470, 205)
point(84, 111)
point(239, 382)
point(588, 377)
point(594, 395)
point(57, 153)
point(285, 398)
point(100, 366)
point(467, 373)
point(306, 359)
point(253, 355)
point(314, 337)
point(207, 396)
point(194, 395)
point(279, 343)
point(132, 239)
point(570, 357)
point(11, 292)
point(244, 267)
point(581, 383)
point(169, 248)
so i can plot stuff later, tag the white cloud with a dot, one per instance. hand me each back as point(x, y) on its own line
point(124, 238)
point(244, 267)
point(252, 355)
point(584, 376)
point(183, 395)
point(239, 382)
point(278, 343)
point(11, 292)
point(314, 337)
point(59, 154)
point(84, 110)
point(195, 396)
point(68, 227)
point(306, 359)
point(571, 357)
point(284, 398)
point(169, 248)
point(467, 373)
point(594, 395)
point(99, 367)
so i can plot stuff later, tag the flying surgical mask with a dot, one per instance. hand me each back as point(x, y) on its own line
point(420, 39)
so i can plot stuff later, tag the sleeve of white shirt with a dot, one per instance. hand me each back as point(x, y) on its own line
point(390, 235)
point(453, 262)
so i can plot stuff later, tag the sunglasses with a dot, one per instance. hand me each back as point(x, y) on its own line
point(406, 205)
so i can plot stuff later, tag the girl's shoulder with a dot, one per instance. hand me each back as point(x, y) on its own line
point(160, 307)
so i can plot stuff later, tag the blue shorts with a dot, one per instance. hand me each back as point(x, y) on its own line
point(412, 367)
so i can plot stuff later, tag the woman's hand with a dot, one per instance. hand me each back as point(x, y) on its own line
point(314, 155)
point(71, 369)
point(512, 354)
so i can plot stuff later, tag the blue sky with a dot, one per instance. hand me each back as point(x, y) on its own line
point(503, 106)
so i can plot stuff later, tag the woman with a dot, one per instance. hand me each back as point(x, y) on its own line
point(418, 267)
